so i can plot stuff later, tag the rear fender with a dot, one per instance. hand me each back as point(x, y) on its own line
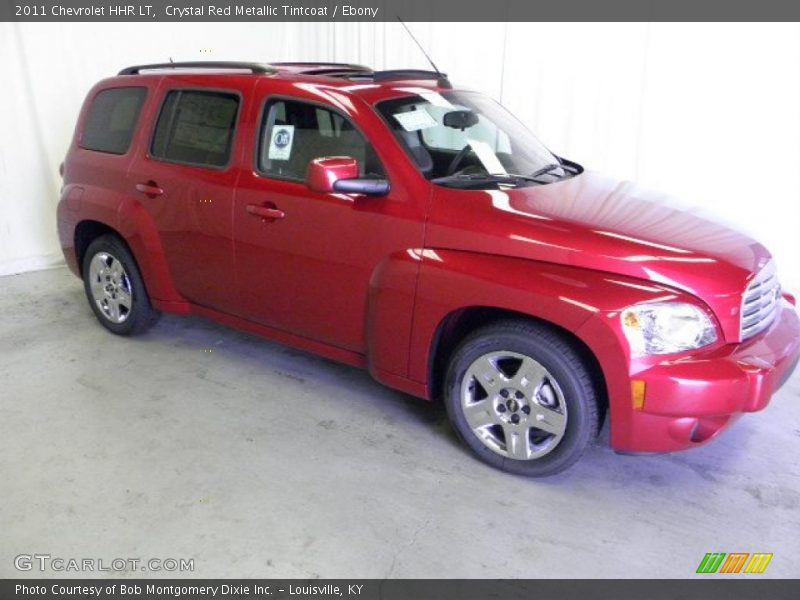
point(129, 219)
point(139, 230)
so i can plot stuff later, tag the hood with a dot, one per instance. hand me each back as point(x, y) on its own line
point(597, 223)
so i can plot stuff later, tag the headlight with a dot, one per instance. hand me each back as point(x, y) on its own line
point(666, 327)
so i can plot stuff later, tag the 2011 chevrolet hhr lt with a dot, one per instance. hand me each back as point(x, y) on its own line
point(387, 220)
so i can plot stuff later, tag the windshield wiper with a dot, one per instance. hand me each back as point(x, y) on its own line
point(477, 178)
point(547, 169)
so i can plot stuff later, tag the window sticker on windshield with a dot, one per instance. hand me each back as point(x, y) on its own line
point(487, 157)
point(280, 146)
point(415, 120)
point(436, 99)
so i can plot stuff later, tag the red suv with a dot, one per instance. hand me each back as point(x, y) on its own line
point(387, 220)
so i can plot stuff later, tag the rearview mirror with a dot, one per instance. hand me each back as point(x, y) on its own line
point(460, 119)
point(340, 174)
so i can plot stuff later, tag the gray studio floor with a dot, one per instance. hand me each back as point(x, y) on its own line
point(196, 441)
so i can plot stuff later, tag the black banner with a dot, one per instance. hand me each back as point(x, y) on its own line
point(389, 10)
point(370, 589)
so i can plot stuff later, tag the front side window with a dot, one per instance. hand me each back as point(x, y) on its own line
point(467, 140)
point(196, 128)
point(294, 132)
point(112, 120)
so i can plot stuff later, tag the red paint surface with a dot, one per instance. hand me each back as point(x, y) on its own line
point(370, 280)
point(324, 172)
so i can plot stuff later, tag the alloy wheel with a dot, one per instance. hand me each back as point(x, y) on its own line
point(111, 287)
point(514, 405)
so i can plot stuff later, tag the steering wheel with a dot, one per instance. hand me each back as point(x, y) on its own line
point(458, 159)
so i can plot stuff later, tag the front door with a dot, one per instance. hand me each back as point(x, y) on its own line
point(306, 267)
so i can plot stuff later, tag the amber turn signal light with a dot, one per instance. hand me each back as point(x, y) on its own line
point(637, 393)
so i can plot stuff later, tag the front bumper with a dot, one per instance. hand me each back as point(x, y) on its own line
point(690, 400)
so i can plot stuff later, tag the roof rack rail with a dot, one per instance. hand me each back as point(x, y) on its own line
point(441, 78)
point(332, 72)
point(255, 68)
point(317, 67)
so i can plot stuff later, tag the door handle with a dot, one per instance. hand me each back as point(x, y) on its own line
point(149, 189)
point(265, 212)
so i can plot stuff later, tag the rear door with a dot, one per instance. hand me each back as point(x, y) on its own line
point(185, 181)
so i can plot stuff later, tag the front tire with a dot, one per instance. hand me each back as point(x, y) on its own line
point(520, 397)
point(115, 289)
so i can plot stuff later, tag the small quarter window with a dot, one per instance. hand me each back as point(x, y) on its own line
point(293, 133)
point(112, 119)
point(196, 128)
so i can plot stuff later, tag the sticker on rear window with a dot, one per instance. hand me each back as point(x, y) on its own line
point(415, 120)
point(280, 146)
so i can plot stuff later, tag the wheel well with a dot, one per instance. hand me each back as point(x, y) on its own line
point(85, 233)
point(457, 325)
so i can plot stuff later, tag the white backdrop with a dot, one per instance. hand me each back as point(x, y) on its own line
point(707, 112)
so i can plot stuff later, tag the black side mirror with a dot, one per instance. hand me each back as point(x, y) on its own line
point(460, 119)
point(362, 185)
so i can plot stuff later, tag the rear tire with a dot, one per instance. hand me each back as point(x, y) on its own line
point(520, 397)
point(115, 289)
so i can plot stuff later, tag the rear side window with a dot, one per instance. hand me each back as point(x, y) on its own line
point(112, 119)
point(196, 128)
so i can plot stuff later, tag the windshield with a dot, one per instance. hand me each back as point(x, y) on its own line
point(467, 140)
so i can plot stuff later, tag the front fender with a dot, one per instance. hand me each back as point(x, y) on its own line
point(584, 302)
point(390, 309)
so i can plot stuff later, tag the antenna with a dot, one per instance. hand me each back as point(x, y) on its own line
point(416, 41)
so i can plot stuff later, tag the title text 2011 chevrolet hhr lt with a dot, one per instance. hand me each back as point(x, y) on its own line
point(387, 220)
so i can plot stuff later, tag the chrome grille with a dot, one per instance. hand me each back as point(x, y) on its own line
point(760, 302)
